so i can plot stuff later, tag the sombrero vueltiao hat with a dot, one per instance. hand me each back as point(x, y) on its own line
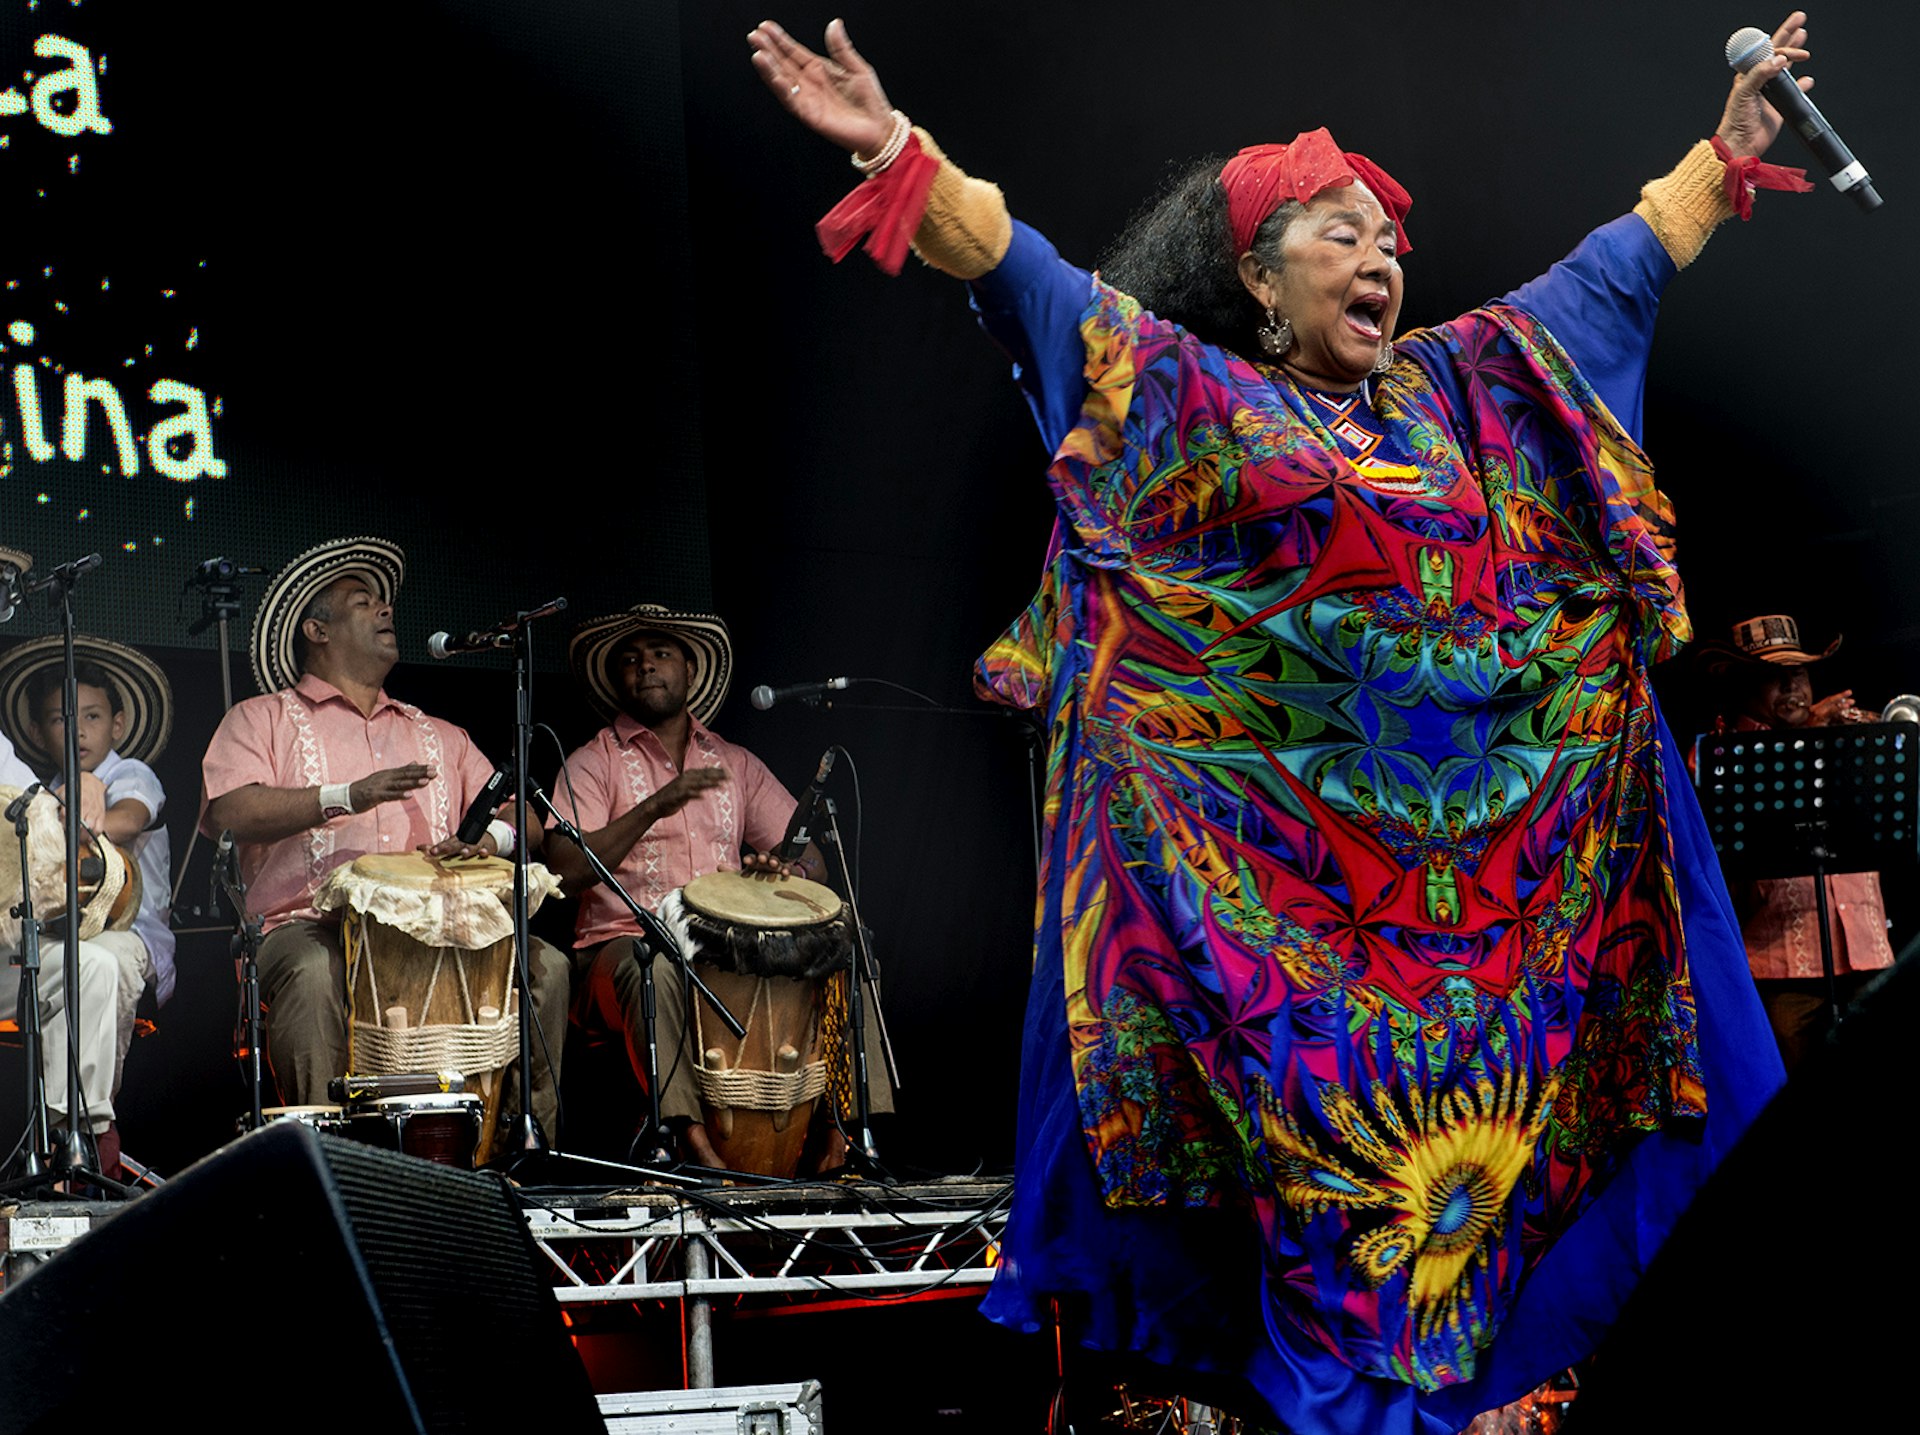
point(595, 642)
point(277, 619)
point(145, 694)
point(16, 560)
point(1774, 638)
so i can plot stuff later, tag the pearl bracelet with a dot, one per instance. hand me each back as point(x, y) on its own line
point(889, 152)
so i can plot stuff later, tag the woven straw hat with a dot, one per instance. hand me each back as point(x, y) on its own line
point(277, 619)
point(597, 640)
point(145, 694)
point(1773, 638)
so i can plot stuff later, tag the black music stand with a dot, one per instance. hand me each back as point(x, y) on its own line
point(1812, 802)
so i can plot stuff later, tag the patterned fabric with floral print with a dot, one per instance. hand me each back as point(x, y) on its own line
point(1366, 905)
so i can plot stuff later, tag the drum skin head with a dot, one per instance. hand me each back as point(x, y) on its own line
point(416, 869)
point(756, 901)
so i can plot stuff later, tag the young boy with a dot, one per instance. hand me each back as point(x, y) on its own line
point(115, 966)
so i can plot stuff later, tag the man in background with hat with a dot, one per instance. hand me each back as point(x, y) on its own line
point(1767, 678)
point(123, 720)
point(324, 768)
point(661, 798)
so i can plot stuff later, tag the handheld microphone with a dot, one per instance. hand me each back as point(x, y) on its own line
point(474, 825)
point(1747, 48)
point(764, 697)
point(799, 826)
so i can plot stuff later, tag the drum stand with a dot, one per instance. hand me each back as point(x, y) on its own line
point(864, 1151)
point(654, 941)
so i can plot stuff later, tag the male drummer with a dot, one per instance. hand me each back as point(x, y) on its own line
point(124, 717)
point(324, 768)
point(662, 799)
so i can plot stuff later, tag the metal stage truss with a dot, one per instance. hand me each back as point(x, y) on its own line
point(790, 1241)
point(799, 1244)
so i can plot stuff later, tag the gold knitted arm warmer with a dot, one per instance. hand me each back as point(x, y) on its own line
point(1684, 207)
point(966, 229)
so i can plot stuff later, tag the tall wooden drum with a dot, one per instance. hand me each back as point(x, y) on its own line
point(769, 948)
point(429, 953)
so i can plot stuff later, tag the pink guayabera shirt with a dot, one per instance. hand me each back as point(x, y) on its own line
point(624, 763)
point(311, 735)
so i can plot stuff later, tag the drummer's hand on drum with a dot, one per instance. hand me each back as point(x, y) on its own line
point(685, 788)
point(389, 785)
point(454, 847)
point(836, 95)
point(93, 801)
point(771, 865)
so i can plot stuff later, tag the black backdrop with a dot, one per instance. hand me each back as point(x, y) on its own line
point(868, 480)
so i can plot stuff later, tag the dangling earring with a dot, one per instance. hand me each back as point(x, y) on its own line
point(1385, 361)
point(1276, 335)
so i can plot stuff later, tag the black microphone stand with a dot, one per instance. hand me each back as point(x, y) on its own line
point(863, 971)
point(526, 1136)
point(246, 949)
point(31, 1167)
point(217, 580)
point(654, 941)
point(77, 1156)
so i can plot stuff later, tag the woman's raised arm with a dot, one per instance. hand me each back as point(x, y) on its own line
point(836, 95)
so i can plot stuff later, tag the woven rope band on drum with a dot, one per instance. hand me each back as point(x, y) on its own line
point(383, 1050)
point(471, 1046)
point(743, 1087)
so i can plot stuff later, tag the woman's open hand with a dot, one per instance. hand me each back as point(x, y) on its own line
point(836, 95)
point(1749, 124)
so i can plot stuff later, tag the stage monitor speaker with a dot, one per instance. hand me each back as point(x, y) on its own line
point(297, 1282)
point(1783, 1299)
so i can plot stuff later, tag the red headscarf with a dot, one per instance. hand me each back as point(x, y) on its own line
point(1262, 177)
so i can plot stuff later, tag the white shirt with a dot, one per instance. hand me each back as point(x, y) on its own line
point(126, 777)
point(13, 772)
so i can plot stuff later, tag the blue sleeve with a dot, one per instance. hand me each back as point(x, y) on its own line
point(1031, 304)
point(1600, 302)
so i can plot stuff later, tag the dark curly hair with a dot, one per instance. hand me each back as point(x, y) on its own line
point(1176, 256)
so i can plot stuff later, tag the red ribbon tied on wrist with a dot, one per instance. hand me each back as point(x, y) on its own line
point(1747, 172)
point(884, 210)
point(1262, 177)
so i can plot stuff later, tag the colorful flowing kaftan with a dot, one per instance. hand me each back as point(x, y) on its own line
point(1360, 903)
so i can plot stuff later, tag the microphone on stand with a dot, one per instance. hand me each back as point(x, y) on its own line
point(1749, 47)
point(474, 825)
point(19, 804)
point(764, 697)
point(800, 826)
point(66, 573)
point(444, 644)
